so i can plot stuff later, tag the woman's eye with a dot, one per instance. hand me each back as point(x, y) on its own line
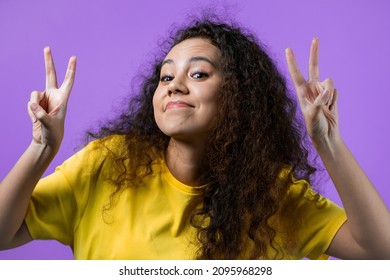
point(199, 75)
point(166, 78)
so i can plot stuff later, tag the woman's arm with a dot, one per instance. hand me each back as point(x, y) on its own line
point(366, 234)
point(47, 110)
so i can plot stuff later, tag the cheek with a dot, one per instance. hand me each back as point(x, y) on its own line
point(211, 97)
point(212, 100)
point(157, 100)
point(156, 107)
point(158, 111)
point(207, 93)
point(154, 102)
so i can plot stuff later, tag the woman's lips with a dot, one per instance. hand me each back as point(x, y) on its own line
point(177, 104)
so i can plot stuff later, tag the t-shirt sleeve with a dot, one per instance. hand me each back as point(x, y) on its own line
point(58, 201)
point(319, 220)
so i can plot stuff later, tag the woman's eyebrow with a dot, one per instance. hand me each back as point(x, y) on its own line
point(167, 61)
point(192, 59)
point(202, 58)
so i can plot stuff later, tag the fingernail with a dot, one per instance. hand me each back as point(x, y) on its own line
point(34, 106)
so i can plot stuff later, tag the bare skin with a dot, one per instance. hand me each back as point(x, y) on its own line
point(185, 105)
point(366, 234)
point(47, 110)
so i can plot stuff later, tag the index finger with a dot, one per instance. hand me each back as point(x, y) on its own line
point(51, 77)
point(293, 68)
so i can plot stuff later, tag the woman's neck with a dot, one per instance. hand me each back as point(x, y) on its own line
point(185, 161)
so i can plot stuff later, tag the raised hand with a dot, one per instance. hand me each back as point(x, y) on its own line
point(318, 100)
point(47, 109)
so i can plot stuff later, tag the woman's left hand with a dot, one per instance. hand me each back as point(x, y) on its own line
point(318, 100)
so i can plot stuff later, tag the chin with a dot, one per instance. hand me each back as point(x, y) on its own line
point(184, 133)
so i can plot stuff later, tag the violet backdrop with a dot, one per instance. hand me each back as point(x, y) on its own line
point(112, 40)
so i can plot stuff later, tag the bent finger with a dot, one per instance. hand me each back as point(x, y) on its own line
point(333, 103)
point(31, 114)
point(323, 98)
point(37, 96)
point(39, 113)
point(328, 85)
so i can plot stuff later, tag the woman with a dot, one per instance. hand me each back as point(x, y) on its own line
point(207, 162)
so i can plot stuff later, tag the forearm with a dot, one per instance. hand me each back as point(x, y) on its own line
point(17, 187)
point(367, 213)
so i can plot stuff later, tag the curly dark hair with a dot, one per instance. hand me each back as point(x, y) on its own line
point(256, 137)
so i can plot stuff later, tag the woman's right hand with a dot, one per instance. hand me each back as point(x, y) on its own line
point(47, 109)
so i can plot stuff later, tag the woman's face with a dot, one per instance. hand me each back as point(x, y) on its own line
point(185, 101)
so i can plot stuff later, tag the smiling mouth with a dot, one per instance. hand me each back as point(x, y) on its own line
point(177, 104)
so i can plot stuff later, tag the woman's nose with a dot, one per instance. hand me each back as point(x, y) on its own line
point(177, 85)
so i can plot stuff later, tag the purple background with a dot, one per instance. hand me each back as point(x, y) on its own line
point(112, 39)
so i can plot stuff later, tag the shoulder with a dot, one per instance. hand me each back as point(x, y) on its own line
point(114, 145)
point(93, 155)
point(307, 208)
point(298, 189)
point(310, 219)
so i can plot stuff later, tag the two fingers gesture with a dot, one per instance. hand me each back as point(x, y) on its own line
point(318, 100)
point(47, 109)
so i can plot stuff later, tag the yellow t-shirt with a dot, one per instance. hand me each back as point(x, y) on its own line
point(149, 221)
